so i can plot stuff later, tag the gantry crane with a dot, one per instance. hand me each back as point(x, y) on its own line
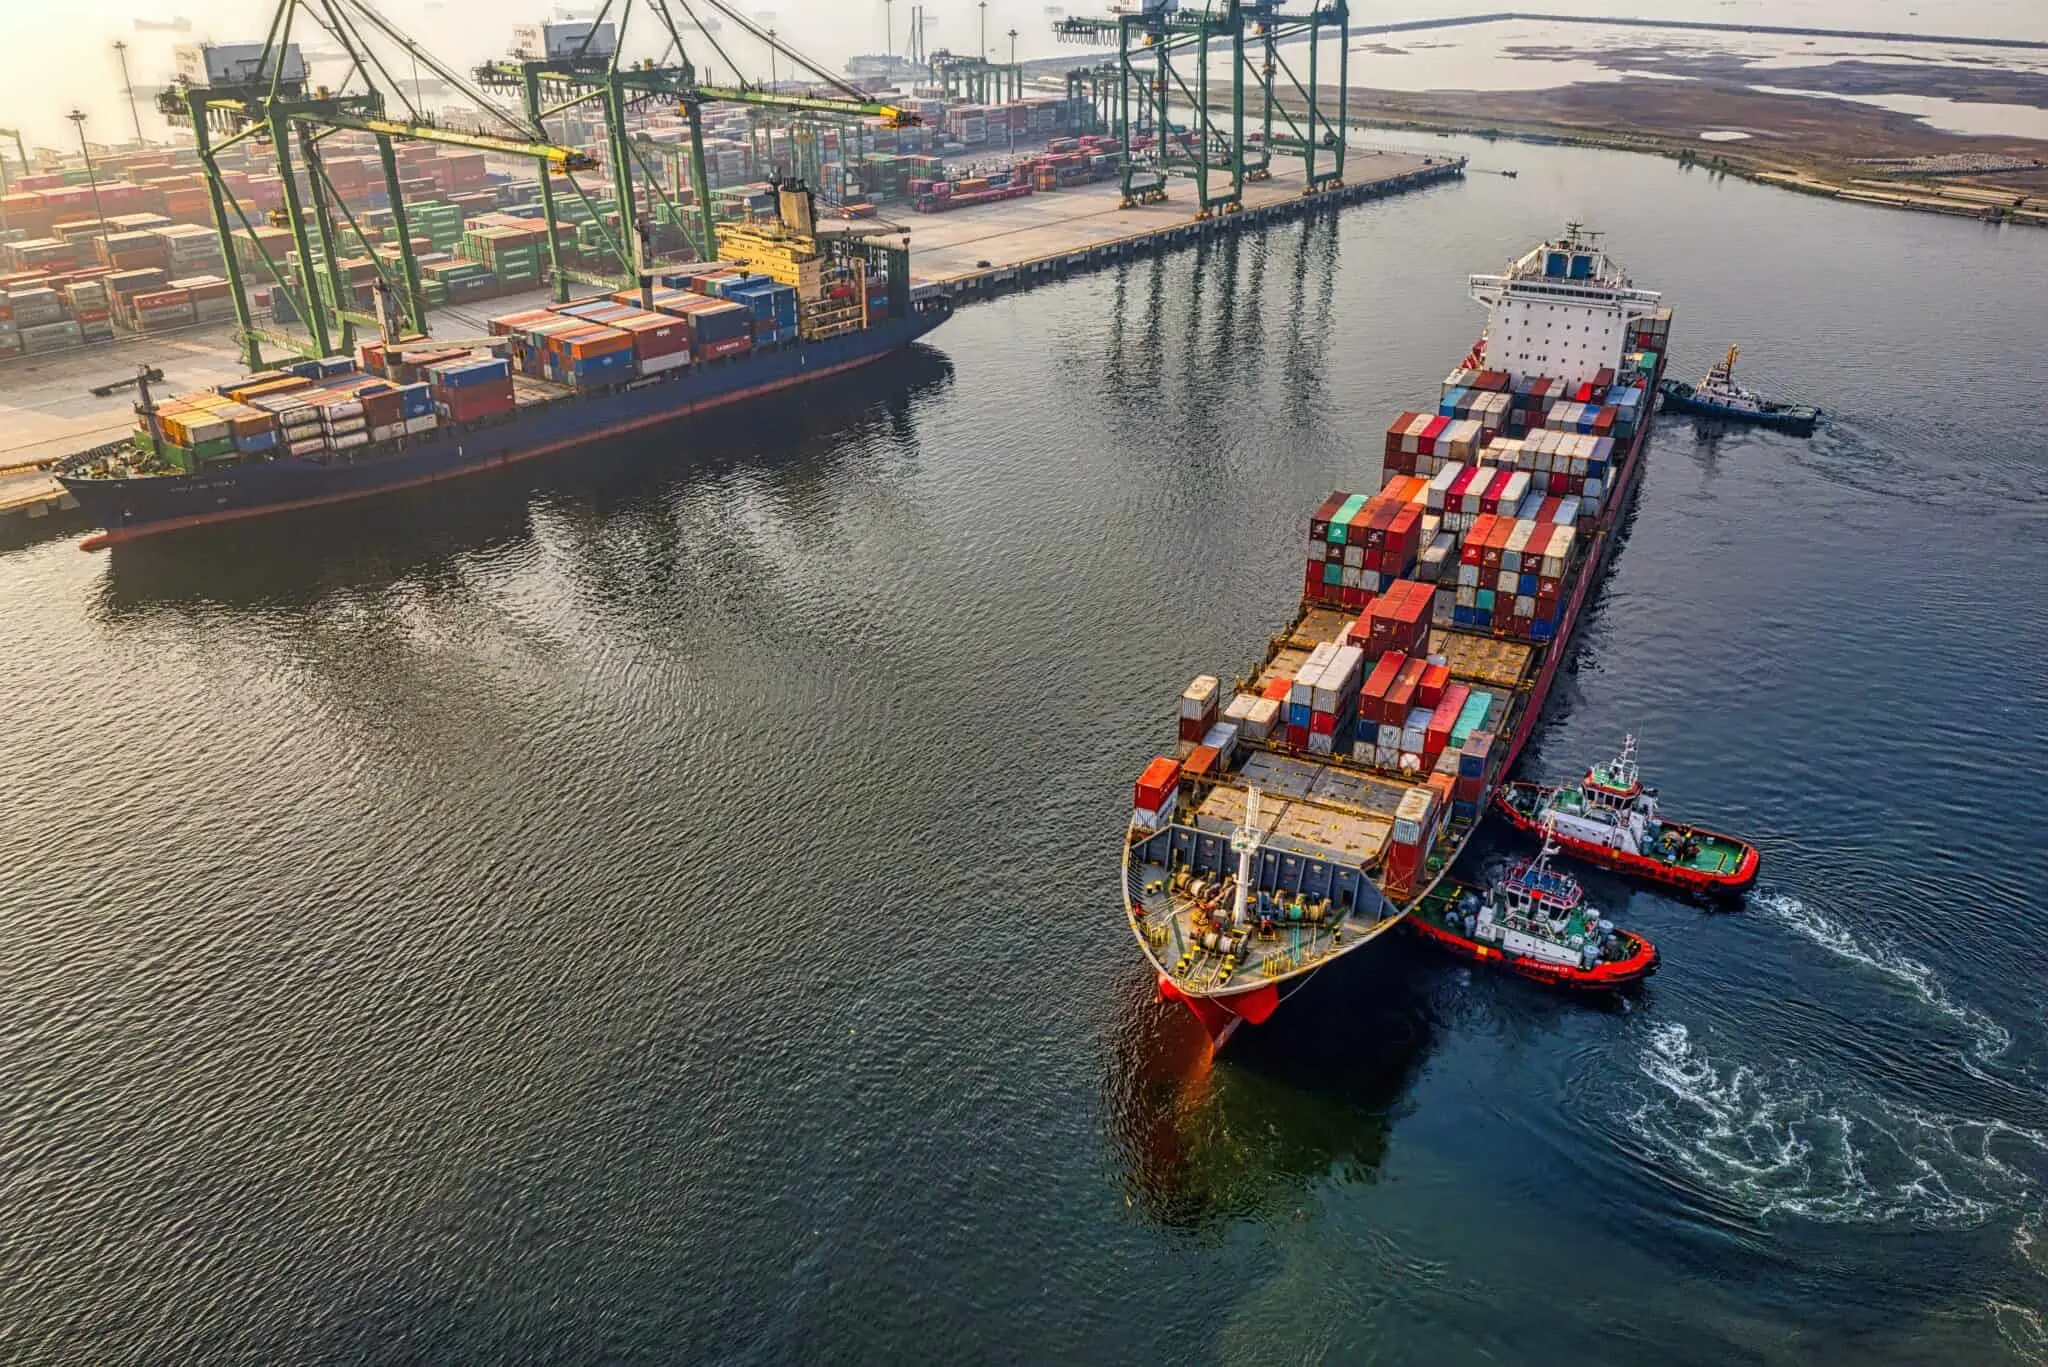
point(1151, 92)
point(272, 99)
point(596, 73)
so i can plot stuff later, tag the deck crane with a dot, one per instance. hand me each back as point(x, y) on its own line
point(593, 69)
point(273, 99)
point(1148, 88)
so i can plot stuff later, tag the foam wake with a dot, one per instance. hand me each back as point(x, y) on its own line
point(1988, 1039)
point(1774, 1141)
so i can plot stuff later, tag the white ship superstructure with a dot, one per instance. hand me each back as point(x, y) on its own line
point(1562, 310)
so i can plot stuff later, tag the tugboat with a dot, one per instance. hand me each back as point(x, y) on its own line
point(1535, 922)
point(1610, 819)
point(1718, 396)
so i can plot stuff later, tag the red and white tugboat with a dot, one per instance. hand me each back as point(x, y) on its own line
point(1535, 922)
point(1610, 819)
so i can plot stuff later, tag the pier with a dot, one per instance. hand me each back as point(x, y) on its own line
point(973, 253)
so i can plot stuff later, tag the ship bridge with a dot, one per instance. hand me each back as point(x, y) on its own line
point(1563, 310)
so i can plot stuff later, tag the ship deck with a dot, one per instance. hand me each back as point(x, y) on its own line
point(1293, 932)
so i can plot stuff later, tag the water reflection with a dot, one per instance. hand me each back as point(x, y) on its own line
point(425, 539)
point(1207, 1140)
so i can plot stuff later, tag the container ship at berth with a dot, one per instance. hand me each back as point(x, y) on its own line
point(1315, 803)
point(785, 308)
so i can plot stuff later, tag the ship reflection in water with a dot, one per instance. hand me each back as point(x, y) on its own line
point(1209, 1139)
point(424, 536)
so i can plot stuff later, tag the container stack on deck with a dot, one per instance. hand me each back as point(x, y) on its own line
point(308, 409)
point(1421, 605)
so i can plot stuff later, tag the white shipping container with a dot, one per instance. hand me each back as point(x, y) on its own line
point(1386, 756)
point(388, 432)
point(675, 360)
point(1152, 821)
point(1389, 737)
point(1265, 715)
point(422, 424)
point(1322, 745)
point(1198, 699)
point(1525, 606)
point(1467, 597)
point(1223, 738)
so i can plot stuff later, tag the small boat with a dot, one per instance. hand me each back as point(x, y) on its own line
point(1535, 922)
point(1718, 396)
point(1610, 819)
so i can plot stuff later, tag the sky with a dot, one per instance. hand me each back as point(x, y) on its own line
point(63, 58)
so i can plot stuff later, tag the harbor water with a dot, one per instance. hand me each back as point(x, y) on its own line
point(662, 906)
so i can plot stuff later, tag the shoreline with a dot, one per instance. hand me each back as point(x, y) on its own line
point(1800, 175)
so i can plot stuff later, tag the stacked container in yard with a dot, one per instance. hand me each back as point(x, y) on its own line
point(212, 301)
point(156, 310)
point(190, 249)
point(91, 308)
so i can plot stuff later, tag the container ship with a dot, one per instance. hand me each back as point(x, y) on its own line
point(781, 308)
point(1321, 797)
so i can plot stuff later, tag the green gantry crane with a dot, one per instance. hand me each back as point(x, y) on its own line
point(272, 100)
point(1147, 87)
point(593, 72)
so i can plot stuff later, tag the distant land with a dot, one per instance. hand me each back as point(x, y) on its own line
point(1822, 143)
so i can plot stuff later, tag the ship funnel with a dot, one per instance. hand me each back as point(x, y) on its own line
point(793, 206)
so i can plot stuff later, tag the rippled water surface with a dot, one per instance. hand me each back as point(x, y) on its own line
point(662, 908)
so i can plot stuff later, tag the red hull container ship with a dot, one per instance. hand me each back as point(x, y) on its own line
point(1317, 800)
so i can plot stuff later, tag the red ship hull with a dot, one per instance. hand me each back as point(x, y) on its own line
point(1700, 882)
point(1604, 978)
point(1220, 1016)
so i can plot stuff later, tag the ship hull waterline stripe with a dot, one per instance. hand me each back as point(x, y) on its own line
point(115, 536)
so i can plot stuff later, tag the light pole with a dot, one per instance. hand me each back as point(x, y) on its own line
point(983, 6)
point(121, 52)
point(770, 110)
point(77, 117)
point(1010, 115)
point(888, 29)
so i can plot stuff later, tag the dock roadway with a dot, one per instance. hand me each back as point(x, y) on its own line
point(993, 246)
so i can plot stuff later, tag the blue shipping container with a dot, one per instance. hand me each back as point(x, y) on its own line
point(464, 375)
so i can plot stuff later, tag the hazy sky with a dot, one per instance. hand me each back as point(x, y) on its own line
point(60, 53)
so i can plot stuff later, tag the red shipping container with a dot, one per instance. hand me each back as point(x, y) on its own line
point(1322, 723)
point(1297, 737)
point(1446, 715)
point(1276, 689)
point(1159, 779)
point(478, 402)
point(1401, 695)
point(1430, 691)
point(1312, 581)
point(1319, 524)
point(1193, 729)
point(1372, 695)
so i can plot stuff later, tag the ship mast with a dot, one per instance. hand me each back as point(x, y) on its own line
point(1246, 840)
